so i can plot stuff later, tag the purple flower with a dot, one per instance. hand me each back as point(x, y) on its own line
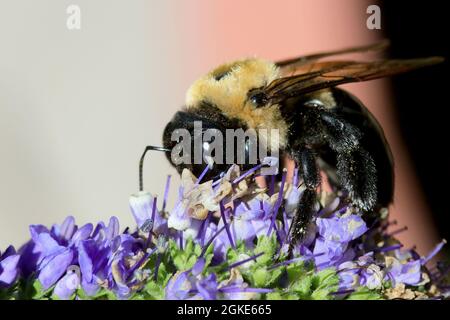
point(335, 234)
point(331, 253)
point(247, 221)
point(242, 230)
point(106, 233)
point(207, 287)
point(372, 276)
point(194, 230)
point(179, 286)
point(251, 218)
point(111, 260)
point(56, 248)
point(51, 253)
point(192, 285)
point(178, 218)
point(222, 213)
point(68, 284)
point(256, 208)
point(220, 242)
point(93, 258)
point(353, 274)
point(141, 205)
point(185, 285)
point(124, 266)
point(341, 229)
point(348, 273)
point(407, 273)
point(54, 266)
point(9, 270)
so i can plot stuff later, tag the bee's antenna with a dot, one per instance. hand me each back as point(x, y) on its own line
point(141, 163)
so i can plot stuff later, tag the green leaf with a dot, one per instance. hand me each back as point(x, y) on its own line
point(267, 245)
point(295, 271)
point(321, 294)
point(208, 255)
point(260, 276)
point(364, 294)
point(189, 247)
point(163, 275)
point(274, 277)
point(38, 292)
point(274, 296)
point(325, 278)
point(323, 283)
point(303, 286)
point(198, 250)
point(185, 258)
point(153, 291)
point(101, 294)
point(278, 295)
point(7, 294)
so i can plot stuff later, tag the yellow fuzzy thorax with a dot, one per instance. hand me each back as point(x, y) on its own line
point(230, 94)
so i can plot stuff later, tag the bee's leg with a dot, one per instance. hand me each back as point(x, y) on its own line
point(341, 135)
point(356, 170)
point(357, 174)
point(309, 171)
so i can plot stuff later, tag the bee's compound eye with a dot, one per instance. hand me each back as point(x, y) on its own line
point(258, 99)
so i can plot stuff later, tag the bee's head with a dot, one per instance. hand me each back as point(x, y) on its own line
point(193, 138)
point(228, 98)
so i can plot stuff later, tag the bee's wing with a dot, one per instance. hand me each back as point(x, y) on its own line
point(304, 64)
point(332, 73)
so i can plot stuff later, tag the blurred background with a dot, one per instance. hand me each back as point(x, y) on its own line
point(77, 107)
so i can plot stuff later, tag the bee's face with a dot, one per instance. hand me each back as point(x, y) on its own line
point(227, 98)
point(210, 119)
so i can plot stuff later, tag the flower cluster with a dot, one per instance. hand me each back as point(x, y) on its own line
point(224, 239)
point(67, 258)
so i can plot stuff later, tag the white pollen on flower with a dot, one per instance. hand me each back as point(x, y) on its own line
point(353, 225)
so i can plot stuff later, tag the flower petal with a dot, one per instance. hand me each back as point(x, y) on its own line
point(141, 205)
point(67, 285)
point(341, 229)
point(178, 218)
point(178, 287)
point(113, 228)
point(82, 234)
point(9, 269)
point(55, 268)
point(67, 228)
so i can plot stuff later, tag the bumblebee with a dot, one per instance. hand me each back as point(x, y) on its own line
point(321, 127)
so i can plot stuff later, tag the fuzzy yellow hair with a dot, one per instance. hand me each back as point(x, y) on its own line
point(227, 87)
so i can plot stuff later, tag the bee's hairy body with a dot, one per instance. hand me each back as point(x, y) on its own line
point(298, 119)
point(322, 128)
